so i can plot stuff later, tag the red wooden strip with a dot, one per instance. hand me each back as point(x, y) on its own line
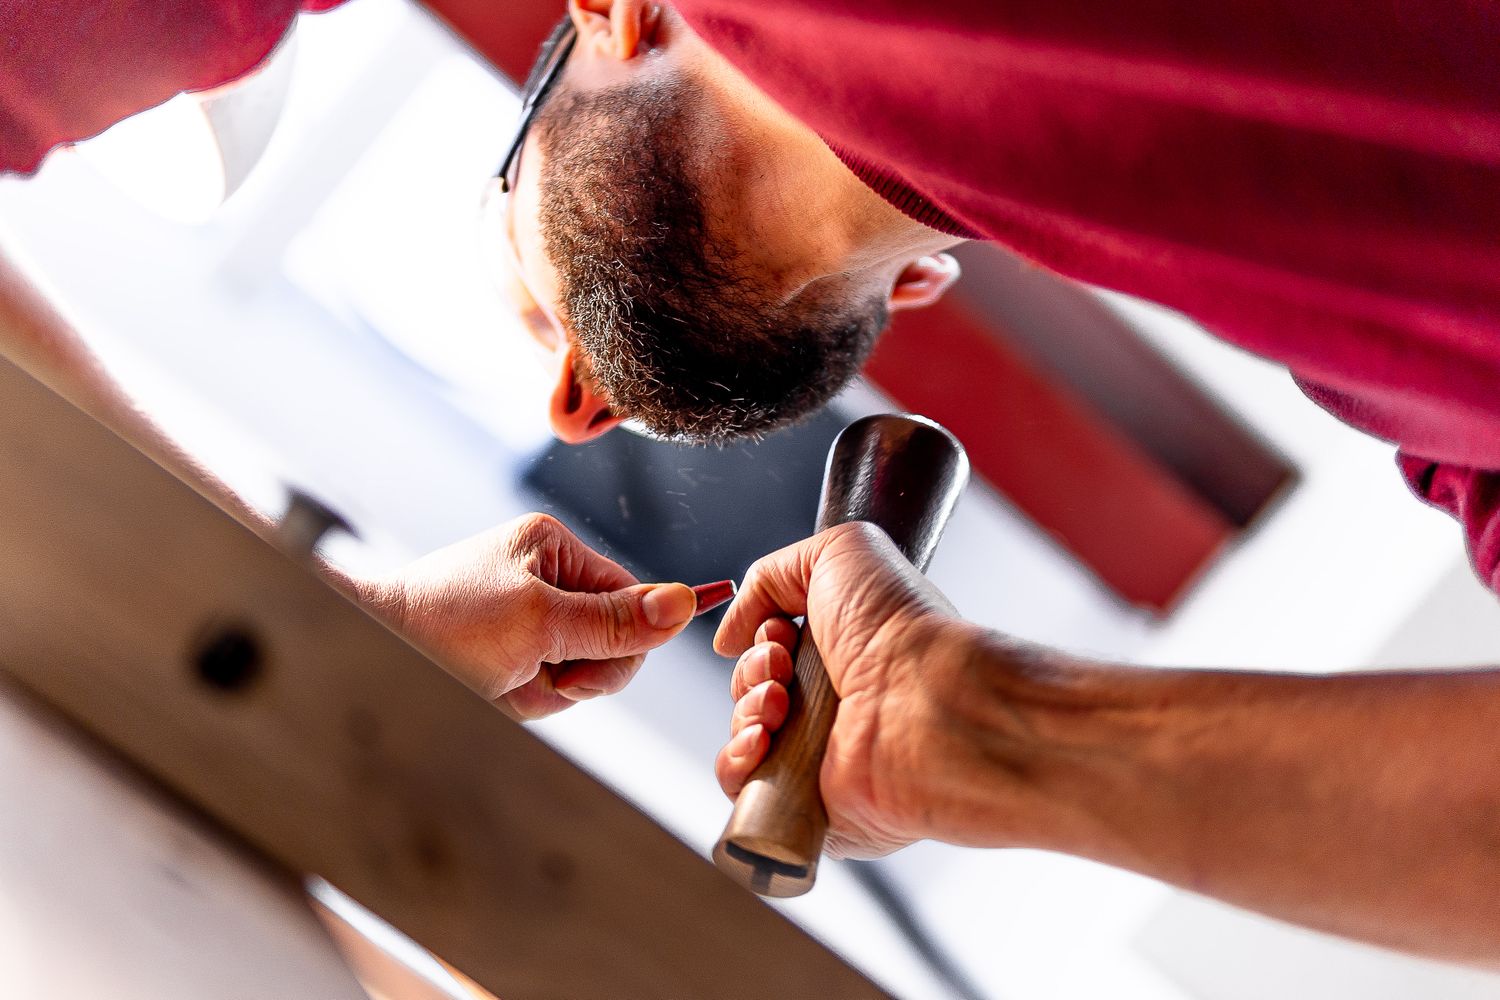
point(1067, 333)
point(505, 34)
point(1123, 514)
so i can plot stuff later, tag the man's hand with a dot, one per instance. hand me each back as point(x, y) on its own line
point(903, 760)
point(529, 616)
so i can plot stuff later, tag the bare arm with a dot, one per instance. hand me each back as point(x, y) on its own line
point(1367, 805)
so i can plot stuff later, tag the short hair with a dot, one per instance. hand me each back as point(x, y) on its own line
point(667, 313)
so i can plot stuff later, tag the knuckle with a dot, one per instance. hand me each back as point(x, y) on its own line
point(494, 687)
point(531, 530)
point(527, 709)
point(861, 534)
point(619, 620)
point(757, 571)
point(511, 680)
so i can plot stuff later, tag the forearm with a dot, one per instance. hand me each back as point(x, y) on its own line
point(1367, 805)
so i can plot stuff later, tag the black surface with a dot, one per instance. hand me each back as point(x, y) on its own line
point(691, 514)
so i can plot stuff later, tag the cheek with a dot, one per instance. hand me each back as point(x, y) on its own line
point(534, 319)
point(536, 284)
point(503, 270)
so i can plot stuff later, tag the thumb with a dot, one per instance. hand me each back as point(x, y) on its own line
point(617, 622)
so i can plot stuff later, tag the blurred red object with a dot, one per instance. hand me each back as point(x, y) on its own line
point(711, 595)
point(1136, 526)
point(73, 68)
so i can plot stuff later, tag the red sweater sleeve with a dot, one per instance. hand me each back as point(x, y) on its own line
point(69, 69)
point(1472, 496)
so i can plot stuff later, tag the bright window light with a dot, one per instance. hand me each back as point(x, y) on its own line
point(166, 158)
point(183, 158)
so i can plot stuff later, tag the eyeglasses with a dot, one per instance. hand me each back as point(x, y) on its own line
point(539, 83)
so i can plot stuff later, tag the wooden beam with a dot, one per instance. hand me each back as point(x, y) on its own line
point(250, 688)
point(109, 888)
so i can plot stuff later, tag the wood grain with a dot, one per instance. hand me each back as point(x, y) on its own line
point(256, 692)
point(774, 838)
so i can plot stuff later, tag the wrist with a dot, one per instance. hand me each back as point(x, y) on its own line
point(1063, 747)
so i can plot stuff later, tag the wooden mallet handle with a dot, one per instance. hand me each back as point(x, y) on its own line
point(903, 474)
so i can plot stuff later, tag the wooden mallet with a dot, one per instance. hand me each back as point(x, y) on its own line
point(903, 474)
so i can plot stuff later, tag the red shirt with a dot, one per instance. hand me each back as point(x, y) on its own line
point(1317, 183)
point(69, 69)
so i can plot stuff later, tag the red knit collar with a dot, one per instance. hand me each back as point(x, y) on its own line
point(896, 190)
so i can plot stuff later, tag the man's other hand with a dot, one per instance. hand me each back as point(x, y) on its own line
point(529, 616)
point(894, 651)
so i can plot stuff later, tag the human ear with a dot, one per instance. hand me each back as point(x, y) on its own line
point(923, 282)
point(576, 411)
point(614, 28)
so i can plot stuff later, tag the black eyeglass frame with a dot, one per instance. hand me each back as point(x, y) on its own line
point(545, 78)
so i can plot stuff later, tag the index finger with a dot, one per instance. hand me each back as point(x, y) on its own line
point(775, 587)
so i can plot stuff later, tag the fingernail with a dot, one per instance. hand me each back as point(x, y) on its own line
point(743, 743)
point(578, 693)
point(668, 605)
point(711, 595)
